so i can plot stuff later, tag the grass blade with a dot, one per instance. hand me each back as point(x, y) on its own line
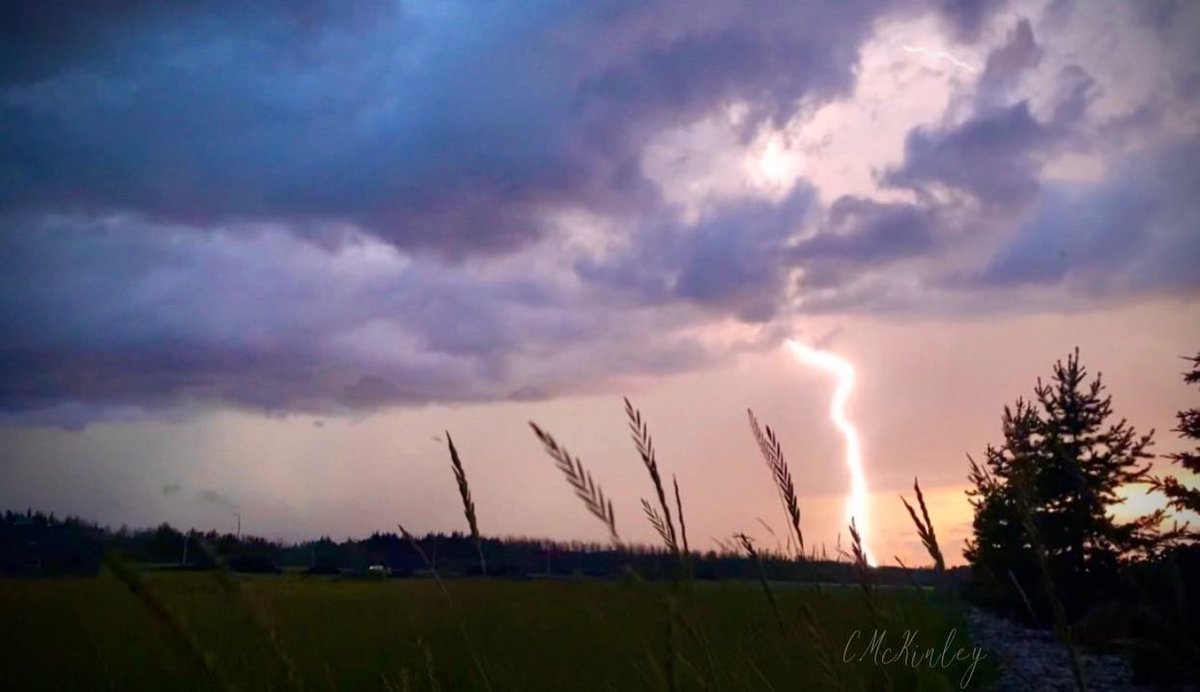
point(772, 453)
point(464, 491)
point(586, 489)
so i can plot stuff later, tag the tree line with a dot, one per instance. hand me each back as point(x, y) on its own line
point(39, 544)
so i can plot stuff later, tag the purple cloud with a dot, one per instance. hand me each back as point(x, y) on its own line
point(322, 208)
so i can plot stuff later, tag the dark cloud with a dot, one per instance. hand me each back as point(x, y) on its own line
point(733, 261)
point(1072, 231)
point(1129, 233)
point(1161, 14)
point(317, 207)
point(1076, 92)
point(966, 18)
point(1137, 231)
point(995, 153)
point(856, 235)
point(457, 130)
point(264, 321)
point(864, 232)
point(1019, 54)
point(39, 40)
point(993, 156)
point(729, 260)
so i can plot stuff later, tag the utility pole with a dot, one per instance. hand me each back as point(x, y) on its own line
point(239, 525)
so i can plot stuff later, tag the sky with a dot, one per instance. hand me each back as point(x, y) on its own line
point(255, 258)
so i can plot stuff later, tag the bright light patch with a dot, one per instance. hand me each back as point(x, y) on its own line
point(857, 503)
point(774, 163)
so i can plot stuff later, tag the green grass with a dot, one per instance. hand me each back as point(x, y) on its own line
point(402, 634)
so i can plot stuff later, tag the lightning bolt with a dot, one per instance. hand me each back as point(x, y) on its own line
point(857, 504)
point(940, 55)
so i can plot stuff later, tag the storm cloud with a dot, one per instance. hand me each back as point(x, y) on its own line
point(444, 126)
point(328, 207)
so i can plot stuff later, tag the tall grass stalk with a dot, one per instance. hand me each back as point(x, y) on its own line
point(664, 524)
point(912, 577)
point(705, 644)
point(866, 578)
point(660, 518)
point(925, 528)
point(462, 628)
point(227, 580)
point(1024, 596)
point(640, 432)
point(430, 672)
point(586, 489)
point(679, 512)
point(752, 552)
point(464, 491)
point(669, 653)
point(866, 581)
point(96, 650)
point(659, 524)
point(772, 451)
point(134, 584)
point(824, 647)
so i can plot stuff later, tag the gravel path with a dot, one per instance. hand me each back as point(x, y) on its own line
point(1034, 660)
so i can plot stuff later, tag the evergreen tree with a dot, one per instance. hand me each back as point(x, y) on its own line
point(1067, 462)
point(1179, 496)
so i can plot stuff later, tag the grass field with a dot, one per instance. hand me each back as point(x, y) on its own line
point(278, 632)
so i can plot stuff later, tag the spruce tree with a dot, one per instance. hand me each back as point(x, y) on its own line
point(1064, 457)
point(1181, 497)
